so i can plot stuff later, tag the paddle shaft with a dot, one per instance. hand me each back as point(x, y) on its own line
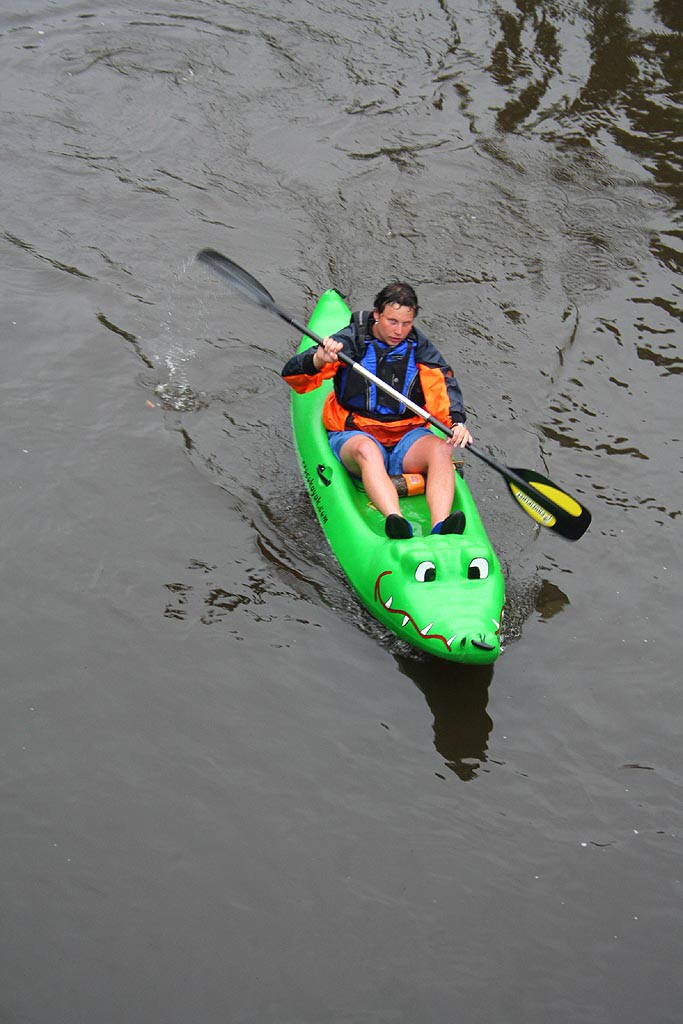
point(571, 522)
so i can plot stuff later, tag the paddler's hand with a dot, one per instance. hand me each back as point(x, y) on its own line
point(326, 353)
point(461, 436)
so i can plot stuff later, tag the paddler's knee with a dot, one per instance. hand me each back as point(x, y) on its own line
point(367, 450)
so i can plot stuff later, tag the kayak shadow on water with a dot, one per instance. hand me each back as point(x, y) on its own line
point(457, 696)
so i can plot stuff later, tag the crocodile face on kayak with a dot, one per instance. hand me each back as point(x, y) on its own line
point(442, 595)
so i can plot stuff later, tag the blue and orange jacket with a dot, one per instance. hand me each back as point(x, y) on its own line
point(415, 368)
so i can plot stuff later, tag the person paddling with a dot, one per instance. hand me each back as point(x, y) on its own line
point(372, 434)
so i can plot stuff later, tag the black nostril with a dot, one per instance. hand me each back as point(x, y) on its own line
point(483, 645)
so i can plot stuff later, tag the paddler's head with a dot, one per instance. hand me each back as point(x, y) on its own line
point(394, 313)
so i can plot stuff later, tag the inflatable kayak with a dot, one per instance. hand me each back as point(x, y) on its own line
point(441, 594)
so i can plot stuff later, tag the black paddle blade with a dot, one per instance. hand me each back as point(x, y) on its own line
point(236, 276)
point(549, 505)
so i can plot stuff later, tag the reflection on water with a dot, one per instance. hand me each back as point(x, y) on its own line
point(550, 600)
point(457, 697)
point(520, 162)
point(616, 73)
point(526, 596)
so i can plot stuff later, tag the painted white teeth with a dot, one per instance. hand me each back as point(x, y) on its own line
point(496, 624)
point(388, 603)
point(426, 629)
point(406, 620)
point(449, 642)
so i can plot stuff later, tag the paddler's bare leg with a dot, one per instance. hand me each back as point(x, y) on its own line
point(434, 457)
point(363, 458)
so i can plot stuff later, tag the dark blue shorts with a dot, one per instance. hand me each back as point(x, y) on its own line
point(393, 457)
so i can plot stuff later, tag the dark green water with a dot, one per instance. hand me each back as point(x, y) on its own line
point(227, 794)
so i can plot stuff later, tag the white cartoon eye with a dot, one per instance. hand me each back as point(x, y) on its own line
point(478, 570)
point(425, 572)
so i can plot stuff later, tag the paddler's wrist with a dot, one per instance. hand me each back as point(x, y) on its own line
point(312, 364)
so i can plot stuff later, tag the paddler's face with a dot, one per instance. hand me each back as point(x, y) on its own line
point(393, 324)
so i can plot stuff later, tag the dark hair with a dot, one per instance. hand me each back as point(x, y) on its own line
point(397, 293)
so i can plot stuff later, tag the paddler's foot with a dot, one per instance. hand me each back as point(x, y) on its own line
point(454, 523)
point(398, 528)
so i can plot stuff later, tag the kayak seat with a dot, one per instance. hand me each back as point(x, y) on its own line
point(408, 484)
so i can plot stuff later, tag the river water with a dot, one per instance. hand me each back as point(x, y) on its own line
point(227, 794)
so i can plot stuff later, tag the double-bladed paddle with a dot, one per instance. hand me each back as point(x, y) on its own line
point(543, 500)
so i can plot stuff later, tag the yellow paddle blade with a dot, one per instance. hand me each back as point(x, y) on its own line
point(531, 507)
point(537, 511)
point(560, 498)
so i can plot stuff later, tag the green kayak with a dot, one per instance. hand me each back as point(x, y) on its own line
point(441, 594)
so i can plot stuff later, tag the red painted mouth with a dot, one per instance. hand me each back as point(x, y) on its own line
point(407, 617)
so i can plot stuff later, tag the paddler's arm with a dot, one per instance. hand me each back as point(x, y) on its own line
point(443, 397)
point(461, 434)
point(307, 370)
